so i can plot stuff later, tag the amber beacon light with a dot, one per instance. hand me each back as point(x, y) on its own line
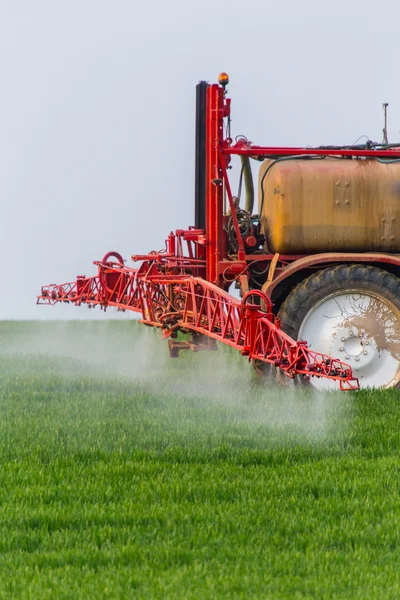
point(223, 79)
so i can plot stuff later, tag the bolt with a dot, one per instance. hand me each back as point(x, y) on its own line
point(343, 339)
point(347, 357)
point(365, 352)
point(357, 359)
point(367, 343)
point(341, 349)
point(351, 333)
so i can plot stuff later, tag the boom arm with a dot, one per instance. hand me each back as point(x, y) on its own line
point(192, 305)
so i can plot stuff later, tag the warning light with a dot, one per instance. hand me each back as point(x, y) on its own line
point(223, 79)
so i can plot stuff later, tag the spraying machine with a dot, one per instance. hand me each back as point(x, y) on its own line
point(317, 265)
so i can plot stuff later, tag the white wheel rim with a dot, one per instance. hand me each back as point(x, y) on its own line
point(361, 329)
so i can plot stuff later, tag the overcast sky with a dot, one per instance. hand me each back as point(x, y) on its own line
point(97, 114)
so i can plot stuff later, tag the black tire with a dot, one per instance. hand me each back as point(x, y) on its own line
point(333, 279)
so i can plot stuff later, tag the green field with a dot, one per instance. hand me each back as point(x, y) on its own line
point(124, 474)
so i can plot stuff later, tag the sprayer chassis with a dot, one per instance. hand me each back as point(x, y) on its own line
point(184, 287)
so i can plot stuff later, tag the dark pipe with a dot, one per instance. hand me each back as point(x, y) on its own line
point(200, 157)
point(248, 183)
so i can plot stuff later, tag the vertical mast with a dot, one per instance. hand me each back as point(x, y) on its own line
point(214, 182)
point(200, 157)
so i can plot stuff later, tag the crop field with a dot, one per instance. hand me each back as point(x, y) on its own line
point(124, 474)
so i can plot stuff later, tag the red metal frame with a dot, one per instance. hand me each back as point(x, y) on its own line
point(184, 288)
point(244, 148)
point(214, 211)
point(193, 305)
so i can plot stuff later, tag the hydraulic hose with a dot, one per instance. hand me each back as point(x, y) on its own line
point(248, 183)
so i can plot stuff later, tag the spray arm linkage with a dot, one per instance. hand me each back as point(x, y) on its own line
point(193, 305)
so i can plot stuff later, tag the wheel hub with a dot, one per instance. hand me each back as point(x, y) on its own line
point(353, 347)
point(361, 329)
point(356, 348)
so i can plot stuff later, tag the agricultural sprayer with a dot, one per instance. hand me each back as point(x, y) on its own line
point(318, 266)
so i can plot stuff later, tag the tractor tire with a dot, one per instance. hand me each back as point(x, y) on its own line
point(350, 312)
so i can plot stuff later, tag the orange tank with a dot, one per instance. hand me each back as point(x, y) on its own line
point(325, 205)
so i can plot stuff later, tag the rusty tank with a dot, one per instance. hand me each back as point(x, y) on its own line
point(330, 205)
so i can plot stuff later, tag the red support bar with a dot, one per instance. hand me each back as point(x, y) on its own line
point(214, 183)
point(244, 149)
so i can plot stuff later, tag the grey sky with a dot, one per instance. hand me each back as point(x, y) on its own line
point(97, 114)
